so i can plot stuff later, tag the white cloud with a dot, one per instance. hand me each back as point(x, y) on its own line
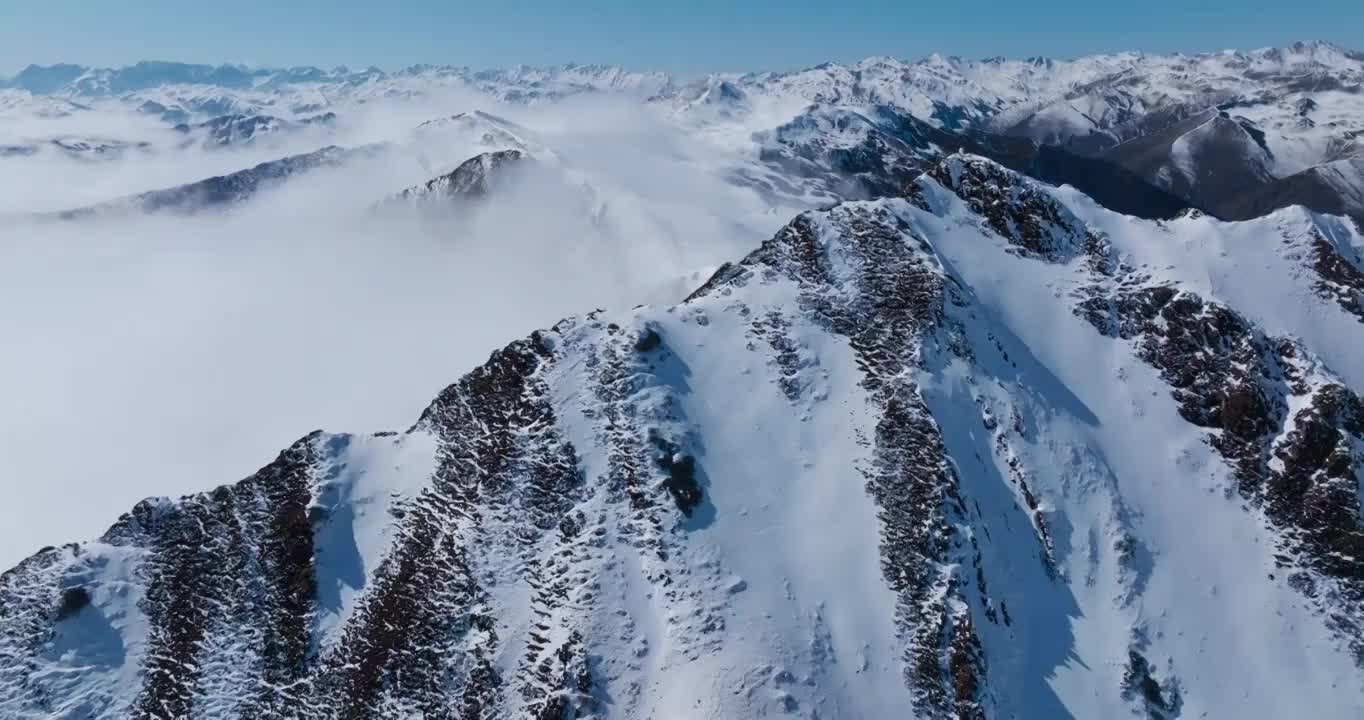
point(164, 355)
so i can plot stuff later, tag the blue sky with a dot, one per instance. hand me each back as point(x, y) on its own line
point(694, 37)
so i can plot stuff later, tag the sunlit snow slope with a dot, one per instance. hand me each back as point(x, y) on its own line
point(986, 450)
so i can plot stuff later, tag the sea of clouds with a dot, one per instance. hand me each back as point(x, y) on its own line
point(166, 354)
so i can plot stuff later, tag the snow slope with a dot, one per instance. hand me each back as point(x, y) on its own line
point(984, 450)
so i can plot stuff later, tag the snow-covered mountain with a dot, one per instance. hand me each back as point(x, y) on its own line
point(473, 179)
point(489, 130)
point(1209, 129)
point(81, 148)
point(222, 191)
point(1043, 401)
point(983, 450)
point(226, 130)
point(839, 153)
point(206, 90)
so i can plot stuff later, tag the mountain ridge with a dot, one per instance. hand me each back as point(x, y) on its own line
point(1282, 118)
point(575, 528)
point(45, 76)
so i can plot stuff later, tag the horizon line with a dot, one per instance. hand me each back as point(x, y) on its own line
point(389, 70)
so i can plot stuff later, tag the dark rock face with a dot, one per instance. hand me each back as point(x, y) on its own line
point(1317, 492)
point(1226, 156)
point(1024, 214)
point(1107, 183)
point(79, 148)
point(1339, 277)
point(226, 130)
point(96, 148)
point(30, 601)
point(890, 151)
point(235, 561)
point(73, 601)
point(1142, 688)
point(324, 119)
point(773, 329)
point(174, 116)
point(422, 641)
point(1320, 188)
point(1300, 469)
point(899, 297)
point(220, 192)
point(473, 179)
point(226, 190)
point(681, 475)
point(237, 129)
point(1198, 155)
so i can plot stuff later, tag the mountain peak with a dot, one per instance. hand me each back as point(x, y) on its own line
point(45, 79)
point(474, 178)
point(964, 173)
point(1016, 207)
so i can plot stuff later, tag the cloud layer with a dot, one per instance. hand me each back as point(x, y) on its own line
point(168, 354)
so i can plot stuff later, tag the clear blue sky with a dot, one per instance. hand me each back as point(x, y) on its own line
point(694, 37)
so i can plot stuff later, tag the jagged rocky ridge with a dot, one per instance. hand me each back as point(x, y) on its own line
point(233, 130)
point(963, 454)
point(81, 148)
point(471, 180)
point(221, 191)
point(474, 178)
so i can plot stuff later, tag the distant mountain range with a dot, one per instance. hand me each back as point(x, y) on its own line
point(1232, 133)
